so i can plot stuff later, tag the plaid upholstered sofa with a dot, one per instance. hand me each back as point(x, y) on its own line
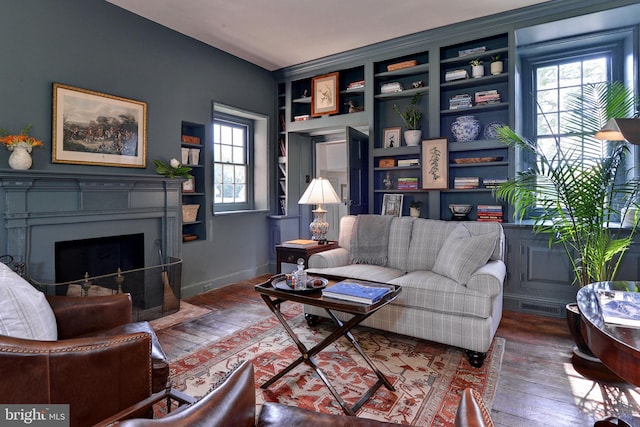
point(451, 273)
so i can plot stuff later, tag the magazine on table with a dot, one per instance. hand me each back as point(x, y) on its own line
point(357, 291)
point(620, 307)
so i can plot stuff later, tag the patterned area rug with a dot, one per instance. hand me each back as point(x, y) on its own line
point(428, 377)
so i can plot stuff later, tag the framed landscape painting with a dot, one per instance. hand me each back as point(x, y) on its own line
point(94, 128)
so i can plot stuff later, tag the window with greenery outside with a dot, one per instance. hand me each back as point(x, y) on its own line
point(577, 187)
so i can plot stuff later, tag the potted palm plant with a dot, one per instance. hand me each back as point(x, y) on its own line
point(411, 117)
point(578, 199)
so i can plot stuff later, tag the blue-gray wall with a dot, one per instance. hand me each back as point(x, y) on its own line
point(94, 45)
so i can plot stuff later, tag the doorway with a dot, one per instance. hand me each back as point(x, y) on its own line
point(331, 163)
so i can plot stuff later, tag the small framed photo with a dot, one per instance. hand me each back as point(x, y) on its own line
point(392, 204)
point(93, 128)
point(391, 137)
point(324, 94)
point(189, 186)
point(435, 168)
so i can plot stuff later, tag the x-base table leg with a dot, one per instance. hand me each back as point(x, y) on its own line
point(307, 355)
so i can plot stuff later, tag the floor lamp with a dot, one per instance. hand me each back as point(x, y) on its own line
point(319, 192)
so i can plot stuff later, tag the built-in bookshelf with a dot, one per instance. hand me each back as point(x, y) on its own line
point(193, 191)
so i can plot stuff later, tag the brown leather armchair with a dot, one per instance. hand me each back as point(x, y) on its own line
point(101, 364)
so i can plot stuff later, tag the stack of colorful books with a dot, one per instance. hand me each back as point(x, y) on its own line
point(490, 213)
point(407, 183)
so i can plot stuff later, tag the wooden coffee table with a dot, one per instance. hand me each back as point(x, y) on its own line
point(275, 297)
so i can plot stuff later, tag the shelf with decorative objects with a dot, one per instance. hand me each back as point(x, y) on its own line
point(193, 190)
point(474, 102)
point(337, 94)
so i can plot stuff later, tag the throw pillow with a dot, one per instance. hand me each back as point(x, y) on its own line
point(462, 254)
point(24, 311)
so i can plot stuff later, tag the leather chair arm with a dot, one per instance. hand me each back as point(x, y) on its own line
point(231, 403)
point(471, 411)
point(279, 415)
point(77, 316)
point(114, 371)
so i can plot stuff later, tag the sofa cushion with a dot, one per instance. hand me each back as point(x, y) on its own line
point(24, 311)
point(427, 237)
point(399, 240)
point(374, 273)
point(429, 291)
point(462, 254)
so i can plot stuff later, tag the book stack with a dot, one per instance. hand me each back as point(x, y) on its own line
point(489, 213)
point(466, 183)
point(408, 162)
point(460, 101)
point(301, 118)
point(402, 65)
point(455, 75)
point(407, 183)
point(355, 85)
point(391, 87)
point(299, 243)
point(487, 97)
point(472, 51)
point(356, 291)
point(493, 182)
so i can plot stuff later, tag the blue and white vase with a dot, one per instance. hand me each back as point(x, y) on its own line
point(465, 128)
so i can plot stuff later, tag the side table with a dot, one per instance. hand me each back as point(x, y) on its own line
point(291, 255)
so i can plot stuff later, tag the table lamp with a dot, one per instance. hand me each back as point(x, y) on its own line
point(621, 130)
point(319, 192)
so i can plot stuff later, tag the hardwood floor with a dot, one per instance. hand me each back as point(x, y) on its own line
point(538, 384)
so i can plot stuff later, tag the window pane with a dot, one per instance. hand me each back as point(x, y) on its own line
point(570, 74)
point(227, 174)
point(595, 70)
point(241, 194)
point(548, 100)
point(225, 154)
point(238, 137)
point(240, 175)
point(225, 135)
point(547, 77)
point(238, 155)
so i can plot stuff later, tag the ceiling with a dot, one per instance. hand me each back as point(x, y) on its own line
point(279, 33)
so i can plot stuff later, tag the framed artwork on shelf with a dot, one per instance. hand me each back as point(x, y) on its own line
point(435, 168)
point(391, 137)
point(324, 94)
point(188, 186)
point(94, 128)
point(392, 204)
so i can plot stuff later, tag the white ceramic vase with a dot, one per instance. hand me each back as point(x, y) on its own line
point(414, 212)
point(477, 71)
point(412, 137)
point(20, 159)
point(496, 68)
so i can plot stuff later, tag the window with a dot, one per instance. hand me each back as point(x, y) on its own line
point(553, 73)
point(232, 166)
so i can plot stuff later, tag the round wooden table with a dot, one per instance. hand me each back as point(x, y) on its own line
point(618, 347)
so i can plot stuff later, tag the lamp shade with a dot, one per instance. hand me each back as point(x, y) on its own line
point(320, 191)
point(621, 130)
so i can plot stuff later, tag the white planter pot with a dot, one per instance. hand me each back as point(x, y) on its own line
point(477, 71)
point(412, 137)
point(414, 212)
point(496, 67)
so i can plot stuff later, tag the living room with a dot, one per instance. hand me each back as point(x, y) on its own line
point(96, 46)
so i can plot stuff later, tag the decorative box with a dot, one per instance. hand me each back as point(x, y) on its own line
point(401, 65)
point(189, 213)
point(387, 163)
point(190, 139)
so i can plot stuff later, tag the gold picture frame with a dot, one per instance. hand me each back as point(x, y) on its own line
point(435, 167)
point(324, 94)
point(94, 128)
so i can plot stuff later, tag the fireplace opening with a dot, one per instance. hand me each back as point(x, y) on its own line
point(97, 257)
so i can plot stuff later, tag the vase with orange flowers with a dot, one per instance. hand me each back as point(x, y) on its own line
point(20, 145)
